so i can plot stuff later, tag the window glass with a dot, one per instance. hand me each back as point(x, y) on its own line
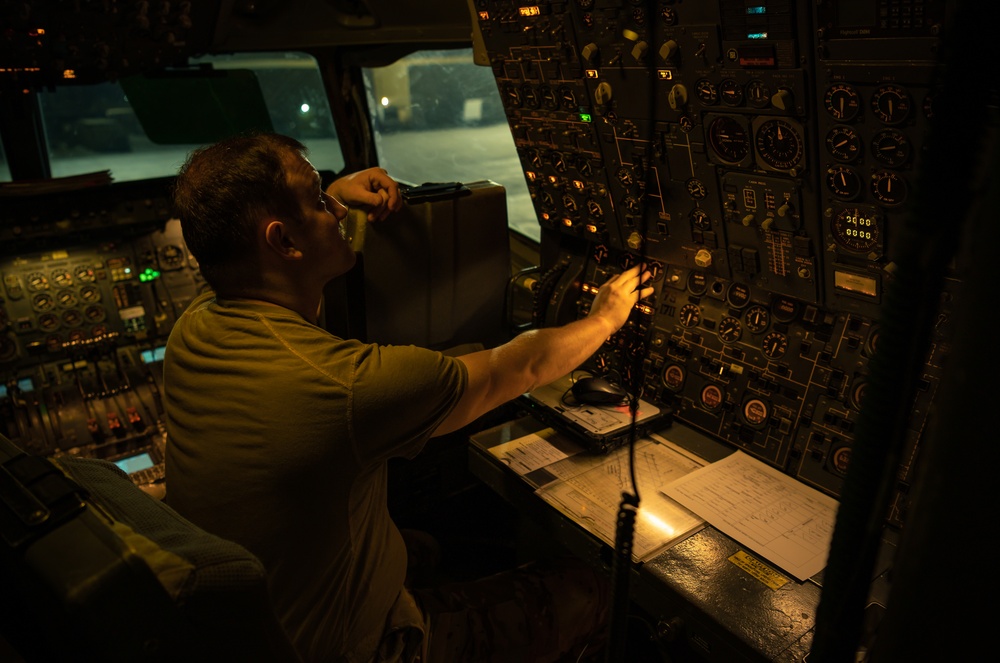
point(438, 118)
point(92, 128)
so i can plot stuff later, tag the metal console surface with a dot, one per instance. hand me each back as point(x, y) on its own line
point(707, 607)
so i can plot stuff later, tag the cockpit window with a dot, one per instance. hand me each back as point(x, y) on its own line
point(96, 127)
point(5, 175)
point(438, 117)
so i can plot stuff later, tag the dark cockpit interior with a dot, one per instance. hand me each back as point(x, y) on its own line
point(812, 185)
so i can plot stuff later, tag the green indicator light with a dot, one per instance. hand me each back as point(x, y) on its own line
point(585, 117)
point(149, 275)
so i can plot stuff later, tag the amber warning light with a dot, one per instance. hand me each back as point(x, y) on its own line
point(533, 10)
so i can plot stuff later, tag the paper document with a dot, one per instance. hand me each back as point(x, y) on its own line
point(769, 512)
point(592, 496)
point(531, 452)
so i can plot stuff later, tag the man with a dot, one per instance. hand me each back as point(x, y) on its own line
point(279, 432)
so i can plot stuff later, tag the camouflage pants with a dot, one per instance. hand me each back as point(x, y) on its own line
point(550, 611)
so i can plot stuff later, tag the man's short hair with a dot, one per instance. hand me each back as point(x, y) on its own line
point(223, 190)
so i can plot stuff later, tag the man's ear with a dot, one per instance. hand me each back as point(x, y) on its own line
point(278, 238)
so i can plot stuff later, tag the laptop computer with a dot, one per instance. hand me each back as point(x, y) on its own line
point(599, 428)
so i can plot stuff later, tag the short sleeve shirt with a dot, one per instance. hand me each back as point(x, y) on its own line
point(278, 433)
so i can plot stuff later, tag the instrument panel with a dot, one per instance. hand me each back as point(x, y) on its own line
point(759, 158)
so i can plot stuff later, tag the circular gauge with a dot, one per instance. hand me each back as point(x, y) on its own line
point(48, 322)
point(774, 345)
point(655, 269)
point(889, 188)
point(77, 335)
point(626, 176)
point(548, 97)
point(536, 159)
point(728, 139)
point(784, 309)
point(690, 315)
point(843, 144)
point(569, 203)
point(567, 98)
point(842, 102)
point(85, 274)
point(62, 278)
point(601, 254)
point(858, 393)
point(731, 92)
point(72, 318)
point(856, 229)
point(891, 104)
point(730, 329)
point(559, 163)
point(700, 219)
point(586, 168)
point(697, 284)
point(891, 148)
point(90, 293)
point(711, 397)
point(511, 96)
point(669, 16)
point(66, 298)
point(696, 189)
point(673, 377)
point(779, 145)
point(738, 295)
point(843, 182)
point(95, 313)
point(98, 331)
point(756, 412)
point(840, 460)
point(757, 318)
point(43, 302)
point(594, 209)
point(707, 92)
point(53, 343)
point(37, 281)
point(529, 97)
point(758, 94)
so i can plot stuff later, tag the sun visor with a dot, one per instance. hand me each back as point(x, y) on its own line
point(197, 106)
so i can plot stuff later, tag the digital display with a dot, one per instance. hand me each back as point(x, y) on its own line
point(154, 355)
point(136, 463)
point(530, 11)
point(756, 35)
point(24, 384)
point(856, 230)
point(856, 283)
point(757, 10)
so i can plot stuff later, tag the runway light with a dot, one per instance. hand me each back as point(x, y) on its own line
point(385, 101)
point(304, 108)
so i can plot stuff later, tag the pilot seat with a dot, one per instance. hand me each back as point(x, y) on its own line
point(94, 569)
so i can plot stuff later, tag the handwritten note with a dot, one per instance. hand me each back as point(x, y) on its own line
point(769, 512)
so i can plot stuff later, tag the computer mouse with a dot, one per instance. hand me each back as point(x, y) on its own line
point(597, 391)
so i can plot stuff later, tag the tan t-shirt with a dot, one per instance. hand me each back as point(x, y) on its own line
point(278, 433)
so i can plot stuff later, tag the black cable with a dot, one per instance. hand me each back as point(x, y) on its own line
point(621, 565)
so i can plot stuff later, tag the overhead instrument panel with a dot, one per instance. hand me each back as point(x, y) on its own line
point(759, 155)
